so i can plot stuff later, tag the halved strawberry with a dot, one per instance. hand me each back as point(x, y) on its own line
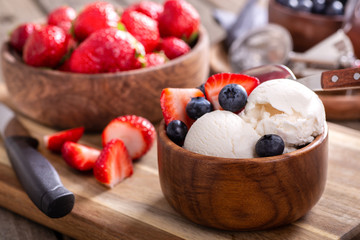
point(137, 133)
point(173, 103)
point(114, 164)
point(54, 142)
point(79, 156)
point(216, 82)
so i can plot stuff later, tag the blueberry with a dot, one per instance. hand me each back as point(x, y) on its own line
point(197, 107)
point(176, 130)
point(335, 8)
point(305, 5)
point(319, 6)
point(283, 2)
point(293, 4)
point(202, 88)
point(269, 145)
point(233, 97)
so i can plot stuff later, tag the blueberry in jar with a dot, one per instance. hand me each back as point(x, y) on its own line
point(319, 6)
point(335, 8)
point(283, 2)
point(305, 5)
point(293, 4)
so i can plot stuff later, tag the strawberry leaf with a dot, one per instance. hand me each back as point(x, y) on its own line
point(121, 27)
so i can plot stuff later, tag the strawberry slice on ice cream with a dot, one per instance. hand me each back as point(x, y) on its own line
point(173, 103)
point(216, 82)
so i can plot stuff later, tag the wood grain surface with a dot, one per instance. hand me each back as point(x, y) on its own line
point(343, 78)
point(137, 209)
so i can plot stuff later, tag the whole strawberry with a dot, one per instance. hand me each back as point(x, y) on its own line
point(21, 33)
point(62, 17)
point(107, 50)
point(143, 28)
point(154, 59)
point(149, 8)
point(95, 16)
point(45, 47)
point(179, 19)
point(174, 47)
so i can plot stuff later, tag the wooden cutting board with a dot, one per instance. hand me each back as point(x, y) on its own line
point(136, 208)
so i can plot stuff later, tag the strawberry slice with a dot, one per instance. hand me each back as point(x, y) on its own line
point(54, 142)
point(173, 103)
point(114, 164)
point(79, 156)
point(216, 82)
point(137, 133)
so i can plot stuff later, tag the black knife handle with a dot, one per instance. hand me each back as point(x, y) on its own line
point(38, 177)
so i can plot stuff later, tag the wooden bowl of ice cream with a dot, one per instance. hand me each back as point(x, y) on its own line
point(242, 194)
point(244, 191)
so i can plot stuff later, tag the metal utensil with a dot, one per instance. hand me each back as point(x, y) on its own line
point(270, 71)
point(328, 80)
point(37, 176)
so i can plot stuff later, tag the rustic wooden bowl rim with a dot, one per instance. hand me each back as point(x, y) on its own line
point(7, 54)
point(306, 15)
point(192, 155)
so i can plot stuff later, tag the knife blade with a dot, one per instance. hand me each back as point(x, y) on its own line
point(333, 80)
point(35, 173)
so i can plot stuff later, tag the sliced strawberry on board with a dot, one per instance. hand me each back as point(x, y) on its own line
point(216, 82)
point(79, 156)
point(114, 164)
point(173, 103)
point(137, 133)
point(54, 142)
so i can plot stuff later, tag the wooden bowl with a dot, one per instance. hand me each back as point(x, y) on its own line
point(306, 29)
point(64, 100)
point(242, 194)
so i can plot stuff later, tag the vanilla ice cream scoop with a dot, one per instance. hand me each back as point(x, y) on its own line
point(222, 134)
point(286, 108)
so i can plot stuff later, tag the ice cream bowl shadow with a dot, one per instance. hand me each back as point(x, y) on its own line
point(242, 194)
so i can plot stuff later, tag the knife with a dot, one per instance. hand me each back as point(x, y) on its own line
point(333, 80)
point(37, 176)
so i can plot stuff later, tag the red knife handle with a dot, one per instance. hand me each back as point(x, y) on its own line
point(338, 79)
point(38, 177)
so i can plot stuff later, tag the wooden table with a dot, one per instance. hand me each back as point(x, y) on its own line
point(339, 209)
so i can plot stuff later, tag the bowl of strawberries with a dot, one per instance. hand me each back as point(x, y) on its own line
point(86, 68)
